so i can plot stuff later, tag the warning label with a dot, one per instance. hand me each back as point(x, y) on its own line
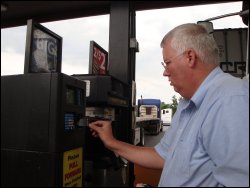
point(72, 168)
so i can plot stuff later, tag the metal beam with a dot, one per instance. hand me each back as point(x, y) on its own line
point(16, 13)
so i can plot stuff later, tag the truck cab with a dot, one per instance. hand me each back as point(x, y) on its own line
point(166, 116)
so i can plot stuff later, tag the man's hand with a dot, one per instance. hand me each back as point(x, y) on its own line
point(103, 130)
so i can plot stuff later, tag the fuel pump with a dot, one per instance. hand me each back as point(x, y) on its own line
point(42, 118)
point(108, 99)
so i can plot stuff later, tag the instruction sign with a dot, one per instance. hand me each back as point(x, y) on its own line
point(72, 168)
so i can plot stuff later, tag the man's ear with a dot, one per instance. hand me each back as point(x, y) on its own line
point(191, 57)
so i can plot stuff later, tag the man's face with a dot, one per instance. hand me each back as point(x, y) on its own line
point(176, 69)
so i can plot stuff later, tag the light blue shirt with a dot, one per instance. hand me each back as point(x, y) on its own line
point(208, 141)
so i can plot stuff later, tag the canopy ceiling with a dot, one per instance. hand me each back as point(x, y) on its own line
point(16, 13)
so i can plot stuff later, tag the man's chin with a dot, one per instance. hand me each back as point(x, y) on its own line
point(176, 89)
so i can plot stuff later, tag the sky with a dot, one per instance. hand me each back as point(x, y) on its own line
point(151, 26)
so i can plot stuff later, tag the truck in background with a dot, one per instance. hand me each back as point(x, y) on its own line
point(149, 116)
point(166, 116)
point(233, 44)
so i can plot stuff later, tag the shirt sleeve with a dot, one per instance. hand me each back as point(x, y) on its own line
point(163, 146)
point(226, 139)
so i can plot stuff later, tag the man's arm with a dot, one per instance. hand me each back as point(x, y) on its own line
point(144, 156)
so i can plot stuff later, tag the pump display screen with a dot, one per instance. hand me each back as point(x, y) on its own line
point(74, 96)
point(70, 96)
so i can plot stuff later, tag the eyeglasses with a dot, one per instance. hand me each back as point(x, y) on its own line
point(165, 64)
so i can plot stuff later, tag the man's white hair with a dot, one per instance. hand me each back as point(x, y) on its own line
point(196, 37)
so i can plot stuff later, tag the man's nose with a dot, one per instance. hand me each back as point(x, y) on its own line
point(165, 72)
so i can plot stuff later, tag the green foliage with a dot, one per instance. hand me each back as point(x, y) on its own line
point(174, 104)
point(164, 105)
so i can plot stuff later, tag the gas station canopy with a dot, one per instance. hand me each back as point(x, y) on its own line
point(16, 13)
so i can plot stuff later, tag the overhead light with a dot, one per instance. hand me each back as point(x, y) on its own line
point(3, 7)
